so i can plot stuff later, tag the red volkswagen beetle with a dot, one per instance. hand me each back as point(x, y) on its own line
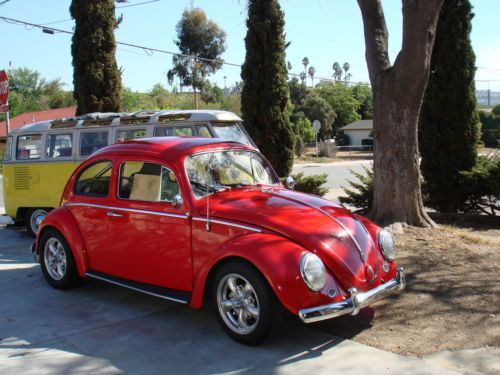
point(184, 218)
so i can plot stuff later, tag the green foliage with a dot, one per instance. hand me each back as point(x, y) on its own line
point(302, 126)
point(496, 110)
point(311, 184)
point(341, 99)
point(490, 129)
point(317, 108)
point(360, 193)
point(364, 96)
point(265, 103)
point(298, 145)
point(342, 138)
point(482, 186)
point(448, 123)
point(30, 92)
point(198, 38)
point(211, 93)
point(96, 78)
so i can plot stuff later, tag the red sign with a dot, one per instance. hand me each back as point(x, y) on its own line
point(4, 89)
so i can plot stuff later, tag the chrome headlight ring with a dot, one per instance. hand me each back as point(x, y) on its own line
point(313, 271)
point(387, 245)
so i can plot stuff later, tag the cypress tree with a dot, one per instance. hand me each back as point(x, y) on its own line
point(265, 99)
point(96, 78)
point(448, 120)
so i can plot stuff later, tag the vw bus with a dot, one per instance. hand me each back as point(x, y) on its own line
point(41, 156)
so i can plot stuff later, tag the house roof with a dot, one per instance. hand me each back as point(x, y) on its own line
point(359, 125)
point(31, 117)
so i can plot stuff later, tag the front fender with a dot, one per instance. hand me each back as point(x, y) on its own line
point(62, 220)
point(278, 261)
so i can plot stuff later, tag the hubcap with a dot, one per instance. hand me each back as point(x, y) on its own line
point(36, 219)
point(238, 303)
point(55, 258)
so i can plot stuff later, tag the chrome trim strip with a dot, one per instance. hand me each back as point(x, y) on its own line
point(356, 301)
point(356, 244)
point(127, 210)
point(133, 288)
point(227, 223)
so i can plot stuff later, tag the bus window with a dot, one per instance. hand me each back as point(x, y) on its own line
point(8, 149)
point(90, 142)
point(29, 147)
point(123, 135)
point(230, 132)
point(203, 131)
point(59, 145)
point(174, 131)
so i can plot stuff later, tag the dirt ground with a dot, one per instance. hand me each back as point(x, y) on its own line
point(452, 298)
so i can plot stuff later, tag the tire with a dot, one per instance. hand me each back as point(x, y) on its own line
point(56, 260)
point(33, 220)
point(244, 303)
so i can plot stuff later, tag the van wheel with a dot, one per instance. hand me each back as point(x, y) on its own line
point(34, 219)
point(56, 260)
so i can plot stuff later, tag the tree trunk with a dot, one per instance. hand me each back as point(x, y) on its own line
point(195, 97)
point(398, 91)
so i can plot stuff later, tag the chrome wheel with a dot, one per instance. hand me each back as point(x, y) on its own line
point(36, 218)
point(238, 303)
point(55, 258)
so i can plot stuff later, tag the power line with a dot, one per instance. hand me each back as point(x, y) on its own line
point(136, 4)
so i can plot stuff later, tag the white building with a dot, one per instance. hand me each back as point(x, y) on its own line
point(358, 130)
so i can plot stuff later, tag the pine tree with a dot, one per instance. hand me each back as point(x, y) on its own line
point(265, 102)
point(448, 120)
point(96, 78)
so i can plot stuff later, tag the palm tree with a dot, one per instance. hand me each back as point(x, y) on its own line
point(311, 72)
point(346, 67)
point(337, 71)
point(303, 77)
point(305, 62)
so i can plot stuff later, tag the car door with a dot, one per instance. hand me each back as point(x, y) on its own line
point(149, 234)
point(89, 207)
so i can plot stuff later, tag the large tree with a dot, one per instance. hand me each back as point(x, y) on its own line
point(201, 43)
point(96, 78)
point(265, 103)
point(448, 120)
point(398, 90)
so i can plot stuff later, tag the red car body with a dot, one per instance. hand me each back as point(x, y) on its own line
point(178, 248)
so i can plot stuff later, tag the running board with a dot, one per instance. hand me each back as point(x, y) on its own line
point(156, 291)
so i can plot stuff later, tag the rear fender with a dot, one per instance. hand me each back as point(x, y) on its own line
point(278, 261)
point(61, 220)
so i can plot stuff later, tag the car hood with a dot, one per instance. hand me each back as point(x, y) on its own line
point(321, 226)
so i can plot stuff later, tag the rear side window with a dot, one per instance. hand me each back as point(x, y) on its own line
point(8, 149)
point(230, 132)
point(59, 146)
point(90, 142)
point(147, 182)
point(94, 180)
point(124, 135)
point(203, 131)
point(29, 147)
point(174, 131)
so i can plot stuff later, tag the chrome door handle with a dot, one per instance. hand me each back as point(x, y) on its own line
point(114, 214)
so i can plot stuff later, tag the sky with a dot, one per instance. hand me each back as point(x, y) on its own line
point(323, 30)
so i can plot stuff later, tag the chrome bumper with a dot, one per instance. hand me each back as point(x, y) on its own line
point(355, 302)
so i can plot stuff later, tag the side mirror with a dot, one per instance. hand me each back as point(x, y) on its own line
point(177, 201)
point(290, 182)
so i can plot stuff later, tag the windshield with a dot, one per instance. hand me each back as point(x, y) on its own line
point(230, 132)
point(215, 171)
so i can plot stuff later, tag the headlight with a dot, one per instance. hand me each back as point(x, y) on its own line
point(386, 243)
point(313, 271)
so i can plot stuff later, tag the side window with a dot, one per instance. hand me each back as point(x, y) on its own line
point(126, 134)
point(174, 131)
point(29, 147)
point(59, 145)
point(203, 131)
point(147, 182)
point(94, 180)
point(8, 149)
point(90, 142)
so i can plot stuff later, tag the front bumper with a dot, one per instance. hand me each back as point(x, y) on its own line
point(355, 302)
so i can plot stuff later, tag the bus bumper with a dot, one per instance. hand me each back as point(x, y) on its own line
point(6, 220)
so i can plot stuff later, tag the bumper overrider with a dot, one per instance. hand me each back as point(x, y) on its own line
point(355, 302)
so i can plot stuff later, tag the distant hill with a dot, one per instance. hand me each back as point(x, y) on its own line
point(482, 97)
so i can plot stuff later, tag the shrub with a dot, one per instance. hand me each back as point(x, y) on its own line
point(311, 184)
point(360, 194)
point(496, 110)
point(298, 146)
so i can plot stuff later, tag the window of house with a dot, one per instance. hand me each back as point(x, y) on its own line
point(126, 134)
point(90, 142)
point(29, 147)
point(59, 146)
point(147, 182)
point(94, 180)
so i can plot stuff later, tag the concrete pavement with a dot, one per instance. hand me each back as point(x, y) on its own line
point(98, 328)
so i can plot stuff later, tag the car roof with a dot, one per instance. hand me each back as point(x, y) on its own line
point(173, 147)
